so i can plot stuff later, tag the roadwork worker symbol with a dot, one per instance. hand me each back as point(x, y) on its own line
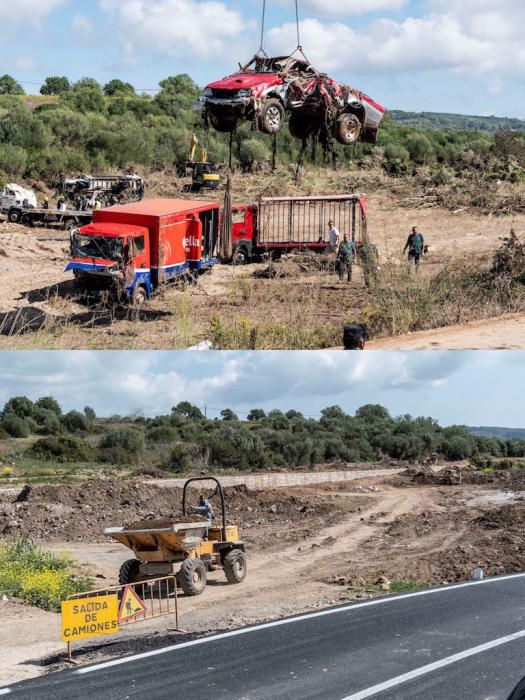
point(130, 605)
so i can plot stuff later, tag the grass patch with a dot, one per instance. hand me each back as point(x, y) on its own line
point(38, 577)
point(401, 301)
point(401, 586)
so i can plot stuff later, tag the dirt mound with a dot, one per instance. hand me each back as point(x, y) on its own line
point(513, 479)
point(82, 511)
point(446, 546)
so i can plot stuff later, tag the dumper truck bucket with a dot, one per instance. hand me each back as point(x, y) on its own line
point(171, 541)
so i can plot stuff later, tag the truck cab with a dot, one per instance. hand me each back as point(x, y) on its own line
point(107, 254)
point(135, 248)
point(244, 224)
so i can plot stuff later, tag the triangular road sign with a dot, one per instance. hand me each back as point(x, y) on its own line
point(130, 605)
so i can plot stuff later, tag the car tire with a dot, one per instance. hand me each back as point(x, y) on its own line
point(300, 127)
point(224, 125)
point(271, 118)
point(347, 129)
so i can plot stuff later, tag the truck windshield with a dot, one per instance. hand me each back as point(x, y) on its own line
point(108, 248)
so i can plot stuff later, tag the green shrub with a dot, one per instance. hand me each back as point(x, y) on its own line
point(40, 578)
point(75, 422)
point(162, 434)
point(123, 445)
point(62, 449)
point(16, 427)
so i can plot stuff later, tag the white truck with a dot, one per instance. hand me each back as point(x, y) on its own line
point(13, 195)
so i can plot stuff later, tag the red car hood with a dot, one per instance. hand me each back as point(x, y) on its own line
point(245, 81)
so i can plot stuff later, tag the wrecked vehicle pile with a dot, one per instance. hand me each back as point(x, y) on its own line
point(266, 89)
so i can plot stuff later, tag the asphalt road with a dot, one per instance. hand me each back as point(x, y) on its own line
point(464, 642)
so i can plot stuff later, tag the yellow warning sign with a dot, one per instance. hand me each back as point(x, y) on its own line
point(130, 605)
point(89, 617)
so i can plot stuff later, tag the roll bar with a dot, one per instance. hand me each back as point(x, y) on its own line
point(221, 494)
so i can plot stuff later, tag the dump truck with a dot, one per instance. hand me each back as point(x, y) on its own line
point(187, 546)
point(132, 249)
point(276, 225)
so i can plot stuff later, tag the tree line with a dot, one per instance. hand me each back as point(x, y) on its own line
point(88, 127)
point(186, 439)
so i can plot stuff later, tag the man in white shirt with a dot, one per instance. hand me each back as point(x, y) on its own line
point(333, 237)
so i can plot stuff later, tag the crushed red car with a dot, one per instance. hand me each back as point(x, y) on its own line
point(265, 89)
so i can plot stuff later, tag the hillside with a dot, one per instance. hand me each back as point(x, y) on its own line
point(456, 122)
point(494, 432)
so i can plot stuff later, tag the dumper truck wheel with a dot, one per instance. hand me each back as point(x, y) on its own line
point(129, 572)
point(271, 118)
point(14, 216)
point(347, 129)
point(192, 576)
point(234, 565)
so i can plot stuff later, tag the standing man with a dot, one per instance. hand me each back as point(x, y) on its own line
point(345, 259)
point(333, 237)
point(415, 244)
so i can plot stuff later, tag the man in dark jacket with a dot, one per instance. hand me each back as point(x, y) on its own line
point(345, 259)
point(415, 245)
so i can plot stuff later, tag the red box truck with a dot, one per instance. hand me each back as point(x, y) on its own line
point(134, 248)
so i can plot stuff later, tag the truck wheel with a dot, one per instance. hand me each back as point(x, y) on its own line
point(14, 216)
point(347, 129)
point(234, 565)
point(129, 572)
point(240, 256)
point(300, 127)
point(271, 118)
point(192, 576)
point(223, 124)
point(139, 296)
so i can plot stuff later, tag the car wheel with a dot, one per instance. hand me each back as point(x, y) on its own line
point(223, 124)
point(347, 129)
point(271, 118)
point(300, 127)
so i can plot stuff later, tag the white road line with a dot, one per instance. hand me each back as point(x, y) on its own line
point(423, 670)
point(5, 691)
point(289, 621)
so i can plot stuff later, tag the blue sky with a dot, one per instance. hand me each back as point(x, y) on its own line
point(437, 55)
point(474, 388)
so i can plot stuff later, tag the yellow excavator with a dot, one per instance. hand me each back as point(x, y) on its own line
point(204, 175)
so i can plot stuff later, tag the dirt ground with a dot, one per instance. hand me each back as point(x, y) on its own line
point(228, 305)
point(504, 333)
point(315, 545)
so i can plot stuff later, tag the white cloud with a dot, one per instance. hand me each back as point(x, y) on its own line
point(342, 8)
point(472, 38)
point(174, 28)
point(27, 11)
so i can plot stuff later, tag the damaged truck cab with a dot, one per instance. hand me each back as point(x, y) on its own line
point(133, 249)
